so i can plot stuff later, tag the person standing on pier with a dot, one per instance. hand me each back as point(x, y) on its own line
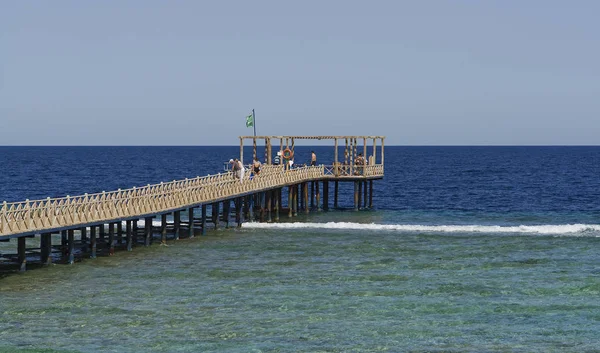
point(256, 166)
point(237, 168)
point(313, 158)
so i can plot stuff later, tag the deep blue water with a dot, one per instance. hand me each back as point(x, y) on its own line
point(469, 249)
point(487, 180)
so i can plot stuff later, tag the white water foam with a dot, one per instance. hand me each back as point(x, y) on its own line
point(533, 229)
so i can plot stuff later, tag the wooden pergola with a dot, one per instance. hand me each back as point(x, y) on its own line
point(351, 144)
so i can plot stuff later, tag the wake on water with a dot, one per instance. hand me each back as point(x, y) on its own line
point(549, 229)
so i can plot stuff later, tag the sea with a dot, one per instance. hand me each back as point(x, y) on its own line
point(467, 249)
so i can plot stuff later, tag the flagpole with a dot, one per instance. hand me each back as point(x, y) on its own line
point(254, 122)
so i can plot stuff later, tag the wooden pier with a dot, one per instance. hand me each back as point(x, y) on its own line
point(92, 224)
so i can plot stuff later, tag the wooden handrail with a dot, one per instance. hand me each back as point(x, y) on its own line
point(70, 211)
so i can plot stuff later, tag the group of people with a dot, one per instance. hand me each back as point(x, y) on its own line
point(278, 159)
point(237, 167)
point(239, 171)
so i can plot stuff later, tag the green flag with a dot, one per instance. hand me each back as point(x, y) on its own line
point(250, 120)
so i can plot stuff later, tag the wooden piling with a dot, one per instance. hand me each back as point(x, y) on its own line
point(261, 202)
point(325, 195)
point(46, 248)
point(191, 222)
point(102, 234)
point(317, 195)
point(277, 198)
point(360, 185)
point(305, 197)
point(84, 238)
point(303, 202)
point(335, 194)
point(365, 194)
point(251, 207)
point(226, 212)
point(71, 246)
point(120, 233)
point(148, 230)
point(356, 195)
point(268, 196)
point(290, 201)
point(239, 216)
point(111, 239)
point(295, 200)
point(370, 193)
point(176, 224)
point(203, 219)
point(163, 228)
point(93, 242)
point(128, 235)
point(83, 232)
point(312, 194)
point(215, 214)
point(21, 258)
point(134, 226)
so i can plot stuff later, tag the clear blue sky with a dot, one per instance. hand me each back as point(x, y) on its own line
point(188, 72)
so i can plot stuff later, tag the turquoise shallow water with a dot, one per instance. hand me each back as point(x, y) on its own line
point(327, 290)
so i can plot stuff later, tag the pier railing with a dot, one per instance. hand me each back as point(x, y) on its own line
point(52, 213)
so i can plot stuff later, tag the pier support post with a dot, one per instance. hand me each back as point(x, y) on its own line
point(102, 232)
point(83, 231)
point(84, 239)
point(71, 247)
point(215, 214)
point(203, 219)
point(163, 228)
point(296, 200)
point(176, 224)
point(277, 193)
point(370, 204)
point(191, 222)
point(120, 233)
point(46, 248)
point(326, 195)
point(356, 196)
point(305, 198)
point(312, 194)
point(261, 202)
point(92, 242)
point(134, 230)
point(250, 200)
point(290, 200)
point(148, 230)
point(63, 240)
point(317, 196)
point(128, 235)
point(238, 211)
point(360, 186)
point(268, 204)
point(111, 239)
point(335, 194)
point(21, 258)
point(365, 194)
point(303, 203)
point(226, 212)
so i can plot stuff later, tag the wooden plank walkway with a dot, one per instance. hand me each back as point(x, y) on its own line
point(29, 217)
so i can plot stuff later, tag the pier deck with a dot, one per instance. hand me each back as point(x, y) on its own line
point(263, 191)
